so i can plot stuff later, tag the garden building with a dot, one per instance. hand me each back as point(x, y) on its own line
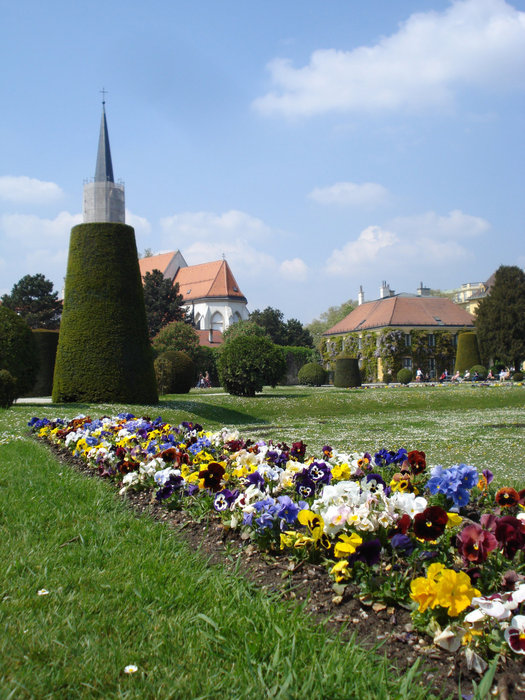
point(398, 331)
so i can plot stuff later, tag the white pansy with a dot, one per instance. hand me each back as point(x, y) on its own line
point(408, 503)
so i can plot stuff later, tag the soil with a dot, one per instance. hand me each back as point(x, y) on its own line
point(387, 628)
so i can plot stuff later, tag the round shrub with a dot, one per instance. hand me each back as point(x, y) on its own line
point(104, 353)
point(312, 374)
point(7, 389)
point(177, 335)
point(347, 373)
point(246, 363)
point(467, 353)
point(517, 377)
point(18, 353)
point(404, 376)
point(482, 371)
point(175, 372)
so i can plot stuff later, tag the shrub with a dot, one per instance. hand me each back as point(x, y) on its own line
point(7, 388)
point(104, 353)
point(177, 336)
point(482, 371)
point(404, 376)
point(46, 346)
point(18, 353)
point(312, 374)
point(175, 372)
point(295, 357)
point(347, 373)
point(467, 353)
point(517, 377)
point(247, 363)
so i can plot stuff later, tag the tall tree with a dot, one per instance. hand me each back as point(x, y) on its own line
point(35, 301)
point(163, 302)
point(329, 318)
point(500, 318)
point(272, 320)
point(297, 334)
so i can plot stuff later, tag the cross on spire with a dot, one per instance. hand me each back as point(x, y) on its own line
point(104, 93)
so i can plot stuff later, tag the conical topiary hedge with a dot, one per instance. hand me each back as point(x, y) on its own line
point(104, 354)
point(467, 353)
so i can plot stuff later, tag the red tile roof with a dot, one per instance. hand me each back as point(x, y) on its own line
point(208, 280)
point(216, 339)
point(401, 311)
point(155, 262)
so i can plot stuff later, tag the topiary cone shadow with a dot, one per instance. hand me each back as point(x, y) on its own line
point(104, 353)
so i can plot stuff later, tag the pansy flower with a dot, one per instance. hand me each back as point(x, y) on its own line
point(224, 499)
point(507, 497)
point(475, 544)
point(417, 461)
point(510, 533)
point(347, 544)
point(341, 571)
point(304, 485)
point(515, 634)
point(298, 450)
point(315, 525)
point(368, 552)
point(320, 472)
point(430, 524)
point(211, 476)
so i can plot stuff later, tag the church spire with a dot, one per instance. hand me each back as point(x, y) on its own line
point(104, 170)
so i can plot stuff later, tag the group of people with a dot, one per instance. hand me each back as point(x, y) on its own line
point(203, 381)
point(467, 376)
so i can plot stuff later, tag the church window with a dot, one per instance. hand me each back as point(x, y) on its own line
point(217, 322)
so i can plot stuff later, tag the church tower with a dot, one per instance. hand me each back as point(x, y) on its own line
point(103, 197)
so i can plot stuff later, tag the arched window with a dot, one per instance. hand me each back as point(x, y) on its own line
point(197, 320)
point(217, 322)
point(236, 317)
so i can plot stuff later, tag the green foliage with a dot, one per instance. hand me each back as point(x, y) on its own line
point(328, 319)
point(46, 346)
point(404, 376)
point(177, 336)
point(312, 374)
point(295, 358)
point(35, 301)
point(517, 377)
point(247, 363)
point(248, 327)
point(207, 362)
point(7, 389)
point(18, 352)
point(175, 372)
point(347, 373)
point(467, 352)
point(104, 352)
point(500, 318)
point(481, 371)
point(280, 332)
point(162, 301)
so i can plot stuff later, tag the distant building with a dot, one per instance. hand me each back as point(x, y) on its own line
point(396, 331)
point(210, 292)
point(470, 294)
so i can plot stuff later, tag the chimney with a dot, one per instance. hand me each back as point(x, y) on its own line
point(423, 291)
point(360, 296)
point(210, 335)
point(384, 290)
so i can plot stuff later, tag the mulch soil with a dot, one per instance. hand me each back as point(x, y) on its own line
point(378, 626)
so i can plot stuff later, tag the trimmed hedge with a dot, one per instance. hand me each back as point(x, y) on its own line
point(312, 374)
point(175, 372)
point(18, 352)
point(482, 371)
point(248, 362)
point(467, 353)
point(347, 373)
point(7, 389)
point(104, 354)
point(404, 376)
point(517, 377)
point(46, 347)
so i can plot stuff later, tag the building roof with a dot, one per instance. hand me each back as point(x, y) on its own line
point(208, 280)
point(204, 338)
point(104, 169)
point(155, 262)
point(402, 310)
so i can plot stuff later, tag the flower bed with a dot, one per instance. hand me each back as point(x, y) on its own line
point(443, 543)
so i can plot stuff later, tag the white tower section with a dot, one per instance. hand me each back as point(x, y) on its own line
point(103, 197)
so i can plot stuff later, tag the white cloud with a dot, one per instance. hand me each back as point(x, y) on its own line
point(295, 269)
point(141, 225)
point(430, 225)
point(209, 225)
point(477, 43)
point(27, 190)
point(28, 229)
point(365, 250)
point(351, 194)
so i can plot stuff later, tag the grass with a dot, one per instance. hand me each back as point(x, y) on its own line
point(125, 590)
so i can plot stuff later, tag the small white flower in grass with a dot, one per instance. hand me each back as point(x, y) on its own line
point(131, 668)
point(43, 591)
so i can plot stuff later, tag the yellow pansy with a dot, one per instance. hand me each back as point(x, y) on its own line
point(347, 544)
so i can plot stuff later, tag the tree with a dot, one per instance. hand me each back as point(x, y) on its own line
point(177, 336)
point(329, 318)
point(18, 351)
point(247, 327)
point(280, 332)
point(297, 335)
point(35, 301)
point(163, 302)
point(500, 318)
point(248, 362)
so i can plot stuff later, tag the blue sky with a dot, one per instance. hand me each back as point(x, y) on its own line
point(318, 146)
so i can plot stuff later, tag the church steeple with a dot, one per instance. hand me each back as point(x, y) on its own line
point(103, 197)
point(104, 171)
